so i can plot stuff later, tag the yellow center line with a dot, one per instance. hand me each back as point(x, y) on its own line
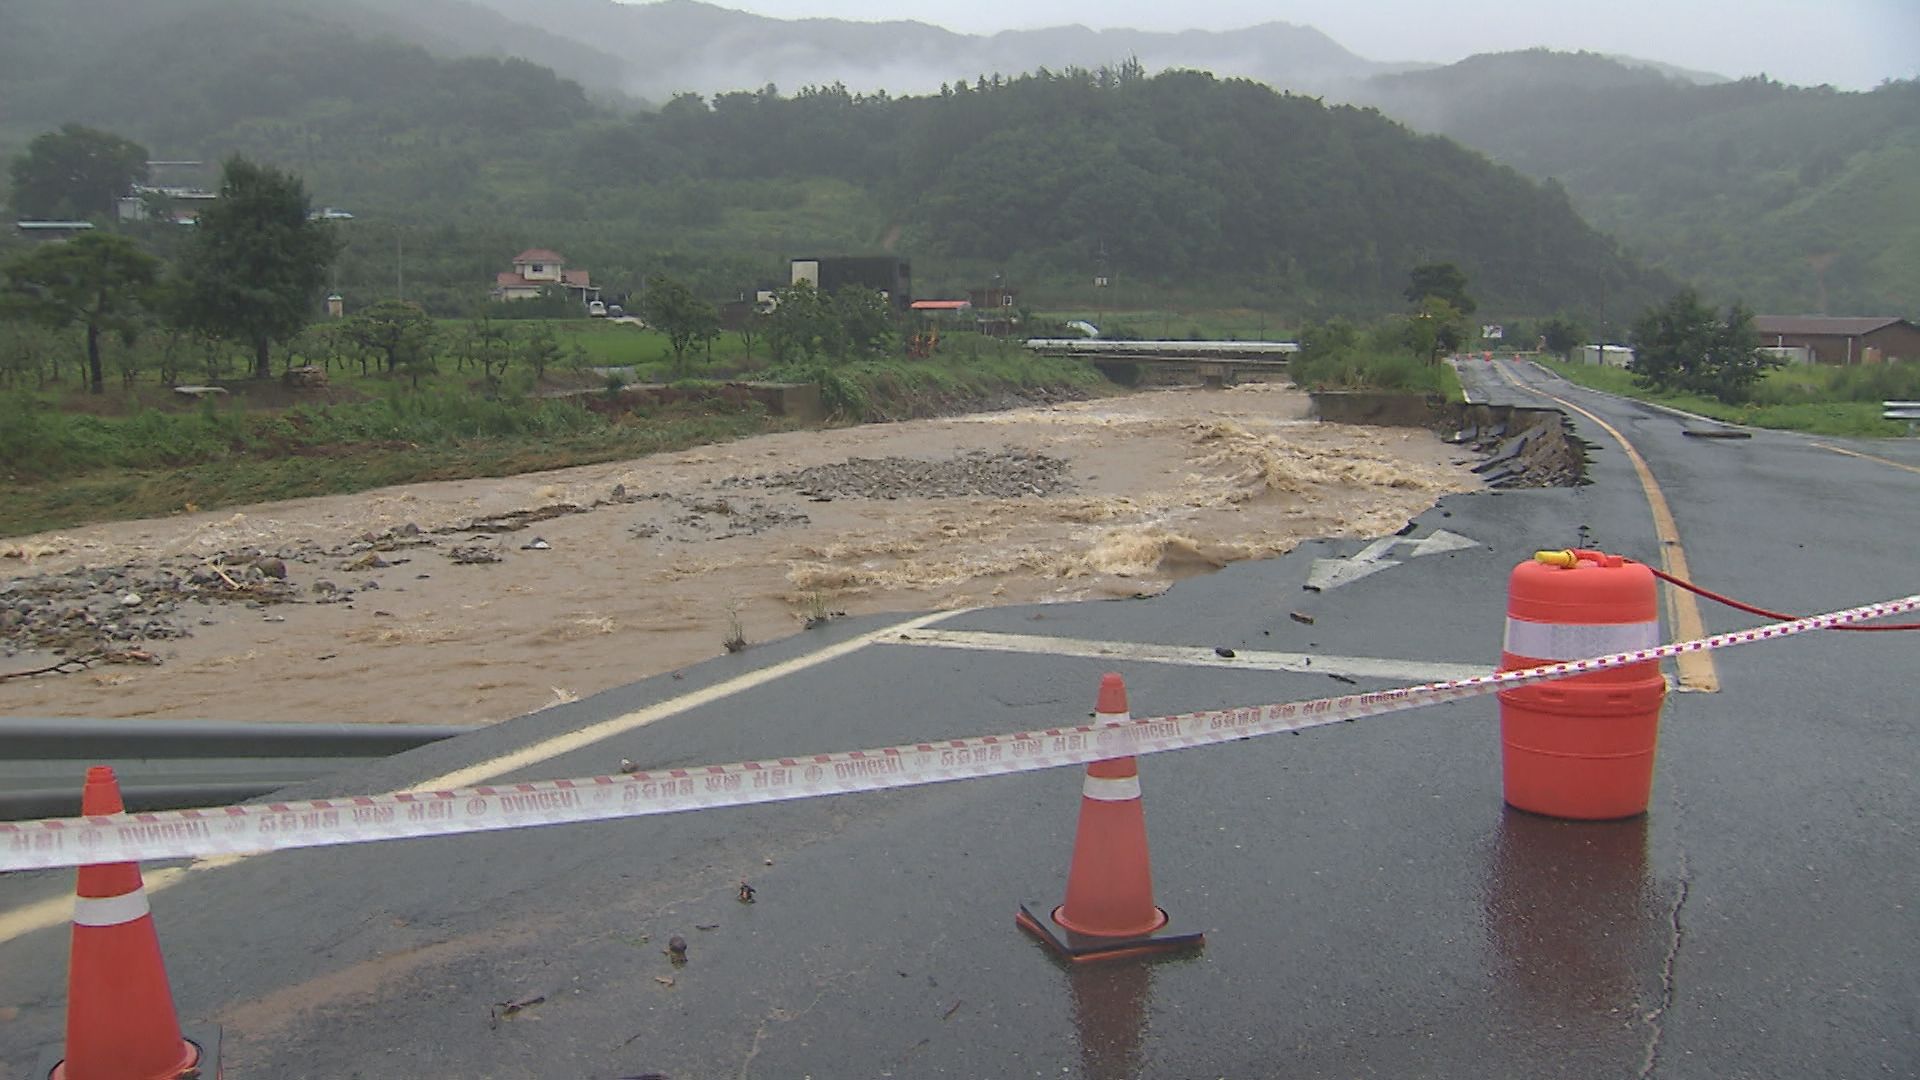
point(1864, 457)
point(1696, 670)
point(46, 914)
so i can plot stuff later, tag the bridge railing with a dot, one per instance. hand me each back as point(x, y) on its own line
point(168, 764)
point(1195, 350)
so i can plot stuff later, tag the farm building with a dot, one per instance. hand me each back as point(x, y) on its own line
point(892, 277)
point(1841, 340)
point(537, 269)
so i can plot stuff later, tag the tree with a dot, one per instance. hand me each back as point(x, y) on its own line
point(27, 349)
point(97, 281)
point(670, 307)
point(488, 344)
point(399, 333)
point(865, 321)
point(1442, 280)
point(322, 344)
point(751, 329)
point(540, 351)
point(1328, 340)
point(1686, 345)
point(1436, 328)
point(257, 260)
point(1561, 335)
point(75, 172)
point(800, 321)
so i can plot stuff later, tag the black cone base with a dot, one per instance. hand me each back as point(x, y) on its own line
point(1080, 948)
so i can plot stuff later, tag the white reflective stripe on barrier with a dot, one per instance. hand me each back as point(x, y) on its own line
point(1564, 641)
point(1111, 789)
point(32, 845)
point(109, 910)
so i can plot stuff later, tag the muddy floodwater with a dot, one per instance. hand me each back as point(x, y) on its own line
point(478, 600)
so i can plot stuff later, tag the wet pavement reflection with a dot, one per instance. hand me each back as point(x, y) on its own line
point(1110, 1016)
point(1572, 919)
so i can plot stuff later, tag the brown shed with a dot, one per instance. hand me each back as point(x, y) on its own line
point(1841, 340)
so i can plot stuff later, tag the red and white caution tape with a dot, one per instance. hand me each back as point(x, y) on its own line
point(32, 845)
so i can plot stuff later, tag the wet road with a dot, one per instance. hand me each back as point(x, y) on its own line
point(1371, 908)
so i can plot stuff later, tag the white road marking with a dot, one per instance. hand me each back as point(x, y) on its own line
point(58, 910)
point(1361, 667)
point(548, 749)
point(1332, 573)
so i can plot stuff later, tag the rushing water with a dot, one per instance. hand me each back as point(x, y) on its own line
point(711, 544)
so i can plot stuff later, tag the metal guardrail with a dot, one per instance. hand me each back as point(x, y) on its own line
point(170, 764)
point(1902, 410)
point(1115, 349)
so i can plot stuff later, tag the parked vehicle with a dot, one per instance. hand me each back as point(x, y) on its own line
point(596, 309)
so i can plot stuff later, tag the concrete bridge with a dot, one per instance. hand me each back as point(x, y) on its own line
point(1218, 363)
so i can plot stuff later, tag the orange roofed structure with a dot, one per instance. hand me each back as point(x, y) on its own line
point(537, 269)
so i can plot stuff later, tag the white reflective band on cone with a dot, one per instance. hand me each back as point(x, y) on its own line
point(109, 910)
point(1110, 789)
point(1562, 641)
point(232, 830)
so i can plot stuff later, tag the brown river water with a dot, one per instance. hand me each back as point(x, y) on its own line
point(678, 553)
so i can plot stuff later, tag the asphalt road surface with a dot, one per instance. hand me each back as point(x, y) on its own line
point(1371, 907)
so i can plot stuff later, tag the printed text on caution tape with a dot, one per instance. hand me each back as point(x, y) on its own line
point(29, 845)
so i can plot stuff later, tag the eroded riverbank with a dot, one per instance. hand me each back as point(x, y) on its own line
point(477, 600)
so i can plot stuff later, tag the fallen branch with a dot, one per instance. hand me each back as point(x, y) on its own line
point(77, 663)
point(228, 578)
point(74, 664)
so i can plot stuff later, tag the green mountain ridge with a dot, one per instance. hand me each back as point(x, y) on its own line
point(674, 46)
point(1793, 199)
point(1176, 183)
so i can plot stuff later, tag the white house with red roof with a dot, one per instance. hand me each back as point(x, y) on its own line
point(537, 269)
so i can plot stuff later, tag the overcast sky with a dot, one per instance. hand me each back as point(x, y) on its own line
point(1852, 44)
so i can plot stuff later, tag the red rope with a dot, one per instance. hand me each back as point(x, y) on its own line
point(1752, 610)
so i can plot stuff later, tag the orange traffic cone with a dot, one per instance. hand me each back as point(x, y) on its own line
point(120, 1019)
point(1109, 910)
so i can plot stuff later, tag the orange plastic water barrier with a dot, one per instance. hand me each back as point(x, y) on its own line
point(1583, 747)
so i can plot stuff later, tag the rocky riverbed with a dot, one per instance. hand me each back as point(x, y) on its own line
point(88, 616)
point(469, 601)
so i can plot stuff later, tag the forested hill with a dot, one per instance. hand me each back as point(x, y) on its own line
point(1183, 175)
point(52, 50)
point(1796, 199)
point(1225, 189)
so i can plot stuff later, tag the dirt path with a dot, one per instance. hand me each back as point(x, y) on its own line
point(395, 607)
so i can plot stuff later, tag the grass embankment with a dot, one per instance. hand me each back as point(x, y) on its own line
point(970, 373)
point(1369, 370)
point(1817, 399)
point(148, 457)
point(67, 469)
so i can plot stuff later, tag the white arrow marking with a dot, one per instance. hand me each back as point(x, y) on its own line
point(1441, 541)
point(1332, 573)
